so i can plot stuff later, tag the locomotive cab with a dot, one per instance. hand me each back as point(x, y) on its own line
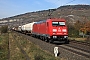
point(58, 31)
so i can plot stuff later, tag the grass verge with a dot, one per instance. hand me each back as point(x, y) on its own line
point(4, 46)
point(32, 50)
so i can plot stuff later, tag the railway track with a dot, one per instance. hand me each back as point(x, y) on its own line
point(78, 49)
point(79, 42)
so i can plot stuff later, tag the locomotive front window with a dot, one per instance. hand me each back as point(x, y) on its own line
point(54, 23)
point(58, 23)
point(62, 23)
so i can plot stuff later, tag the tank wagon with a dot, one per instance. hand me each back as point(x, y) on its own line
point(27, 28)
point(51, 30)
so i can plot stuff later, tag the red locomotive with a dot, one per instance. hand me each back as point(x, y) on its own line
point(51, 30)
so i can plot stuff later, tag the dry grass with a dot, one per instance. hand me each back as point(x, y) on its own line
point(87, 40)
point(32, 50)
point(81, 39)
point(4, 46)
point(15, 53)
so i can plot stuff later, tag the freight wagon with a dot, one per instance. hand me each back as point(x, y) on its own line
point(27, 28)
point(19, 29)
point(51, 30)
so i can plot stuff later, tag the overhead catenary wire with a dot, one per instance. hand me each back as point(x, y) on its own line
point(70, 2)
point(52, 10)
point(66, 2)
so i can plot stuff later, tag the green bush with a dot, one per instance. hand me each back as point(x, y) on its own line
point(4, 29)
point(73, 32)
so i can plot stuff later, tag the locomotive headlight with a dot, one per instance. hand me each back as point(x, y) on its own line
point(54, 36)
point(65, 36)
point(64, 30)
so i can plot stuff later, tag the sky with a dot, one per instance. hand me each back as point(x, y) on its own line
point(10, 8)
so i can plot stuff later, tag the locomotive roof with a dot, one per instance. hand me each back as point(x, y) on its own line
point(41, 21)
point(54, 19)
point(58, 19)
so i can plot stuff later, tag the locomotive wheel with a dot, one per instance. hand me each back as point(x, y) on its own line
point(43, 38)
point(67, 41)
point(40, 37)
point(46, 39)
point(50, 41)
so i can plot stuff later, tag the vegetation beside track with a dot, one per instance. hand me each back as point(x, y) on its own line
point(87, 40)
point(15, 53)
point(32, 50)
point(4, 46)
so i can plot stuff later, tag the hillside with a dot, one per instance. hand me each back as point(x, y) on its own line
point(71, 13)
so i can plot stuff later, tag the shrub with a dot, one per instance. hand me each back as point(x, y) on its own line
point(4, 29)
